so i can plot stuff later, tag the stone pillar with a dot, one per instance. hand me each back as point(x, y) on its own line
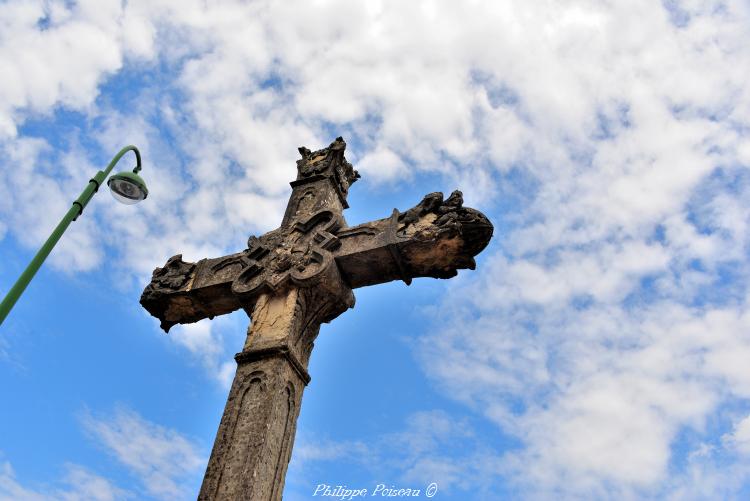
point(254, 443)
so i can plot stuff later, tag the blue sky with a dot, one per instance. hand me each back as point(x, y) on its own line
point(600, 349)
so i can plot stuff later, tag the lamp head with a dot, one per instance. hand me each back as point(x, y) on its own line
point(127, 187)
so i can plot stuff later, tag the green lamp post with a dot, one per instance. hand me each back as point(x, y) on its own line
point(126, 187)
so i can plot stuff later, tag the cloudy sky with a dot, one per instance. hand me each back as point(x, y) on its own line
point(600, 350)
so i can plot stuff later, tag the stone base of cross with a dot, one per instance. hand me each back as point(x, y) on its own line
point(289, 281)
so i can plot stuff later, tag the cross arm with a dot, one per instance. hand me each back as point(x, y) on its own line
point(433, 239)
point(182, 292)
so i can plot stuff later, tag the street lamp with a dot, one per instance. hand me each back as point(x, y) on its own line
point(126, 187)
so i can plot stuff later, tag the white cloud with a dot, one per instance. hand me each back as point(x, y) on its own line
point(198, 338)
point(433, 446)
point(82, 485)
point(213, 343)
point(430, 107)
point(164, 463)
point(90, 487)
point(382, 164)
point(160, 458)
point(598, 396)
point(327, 450)
point(54, 53)
point(740, 437)
point(35, 200)
point(10, 489)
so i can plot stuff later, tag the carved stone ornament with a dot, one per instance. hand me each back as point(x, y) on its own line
point(328, 161)
point(172, 277)
point(448, 221)
point(296, 255)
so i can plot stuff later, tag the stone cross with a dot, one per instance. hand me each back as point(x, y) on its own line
point(289, 281)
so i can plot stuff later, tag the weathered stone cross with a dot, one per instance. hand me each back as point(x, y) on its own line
point(289, 281)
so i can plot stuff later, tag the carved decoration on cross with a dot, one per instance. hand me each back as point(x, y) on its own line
point(434, 239)
point(289, 281)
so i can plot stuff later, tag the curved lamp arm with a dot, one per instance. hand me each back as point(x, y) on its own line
point(76, 210)
point(93, 186)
